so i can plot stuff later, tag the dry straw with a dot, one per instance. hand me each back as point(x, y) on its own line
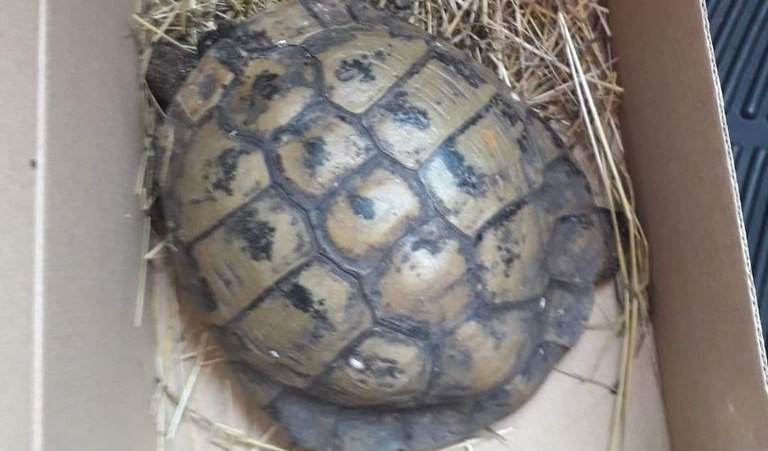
point(554, 55)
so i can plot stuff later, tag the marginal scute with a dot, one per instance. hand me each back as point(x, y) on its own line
point(217, 174)
point(250, 250)
point(565, 189)
point(567, 311)
point(424, 278)
point(273, 89)
point(525, 382)
point(289, 24)
point(371, 214)
point(322, 146)
point(310, 421)
point(547, 144)
point(261, 389)
point(204, 87)
point(369, 431)
point(512, 254)
point(481, 354)
point(330, 12)
point(578, 248)
point(415, 118)
point(444, 424)
point(360, 65)
point(369, 16)
point(386, 368)
point(477, 173)
point(301, 325)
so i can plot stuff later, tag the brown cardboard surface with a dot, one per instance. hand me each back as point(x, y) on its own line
point(709, 348)
point(97, 373)
point(17, 211)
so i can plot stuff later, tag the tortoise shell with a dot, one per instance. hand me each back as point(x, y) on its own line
point(395, 250)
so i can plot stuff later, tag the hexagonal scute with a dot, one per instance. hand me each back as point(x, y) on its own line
point(320, 147)
point(479, 172)
point(385, 368)
point(371, 213)
point(273, 89)
point(360, 65)
point(413, 120)
point(288, 23)
point(512, 254)
point(252, 249)
point(481, 353)
point(204, 87)
point(213, 176)
point(299, 328)
point(424, 279)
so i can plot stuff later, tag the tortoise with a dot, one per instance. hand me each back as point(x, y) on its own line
point(393, 248)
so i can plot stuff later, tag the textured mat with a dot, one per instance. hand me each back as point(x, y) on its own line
point(740, 37)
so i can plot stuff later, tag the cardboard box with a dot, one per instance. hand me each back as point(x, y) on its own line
point(76, 375)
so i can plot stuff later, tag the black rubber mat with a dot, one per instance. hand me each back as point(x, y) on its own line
point(740, 38)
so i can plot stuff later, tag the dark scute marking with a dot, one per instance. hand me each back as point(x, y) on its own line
point(301, 299)
point(362, 206)
point(224, 30)
point(406, 113)
point(431, 246)
point(524, 144)
point(258, 235)
point(226, 164)
point(381, 367)
point(498, 334)
point(508, 256)
point(252, 41)
point(208, 86)
point(315, 154)
point(350, 70)
point(463, 69)
point(510, 114)
point(465, 175)
point(228, 53)
point(265, 86)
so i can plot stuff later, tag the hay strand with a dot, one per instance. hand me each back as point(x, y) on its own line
point(189, 386)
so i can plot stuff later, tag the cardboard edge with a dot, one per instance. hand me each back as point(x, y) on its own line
point(735, 193)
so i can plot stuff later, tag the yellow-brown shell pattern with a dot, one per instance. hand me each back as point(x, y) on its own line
point(396, 250)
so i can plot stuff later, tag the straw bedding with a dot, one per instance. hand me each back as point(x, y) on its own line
point(554, 55)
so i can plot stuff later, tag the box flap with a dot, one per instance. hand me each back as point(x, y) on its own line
point(71, 231)
point(18, 66)
point(710, 350)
